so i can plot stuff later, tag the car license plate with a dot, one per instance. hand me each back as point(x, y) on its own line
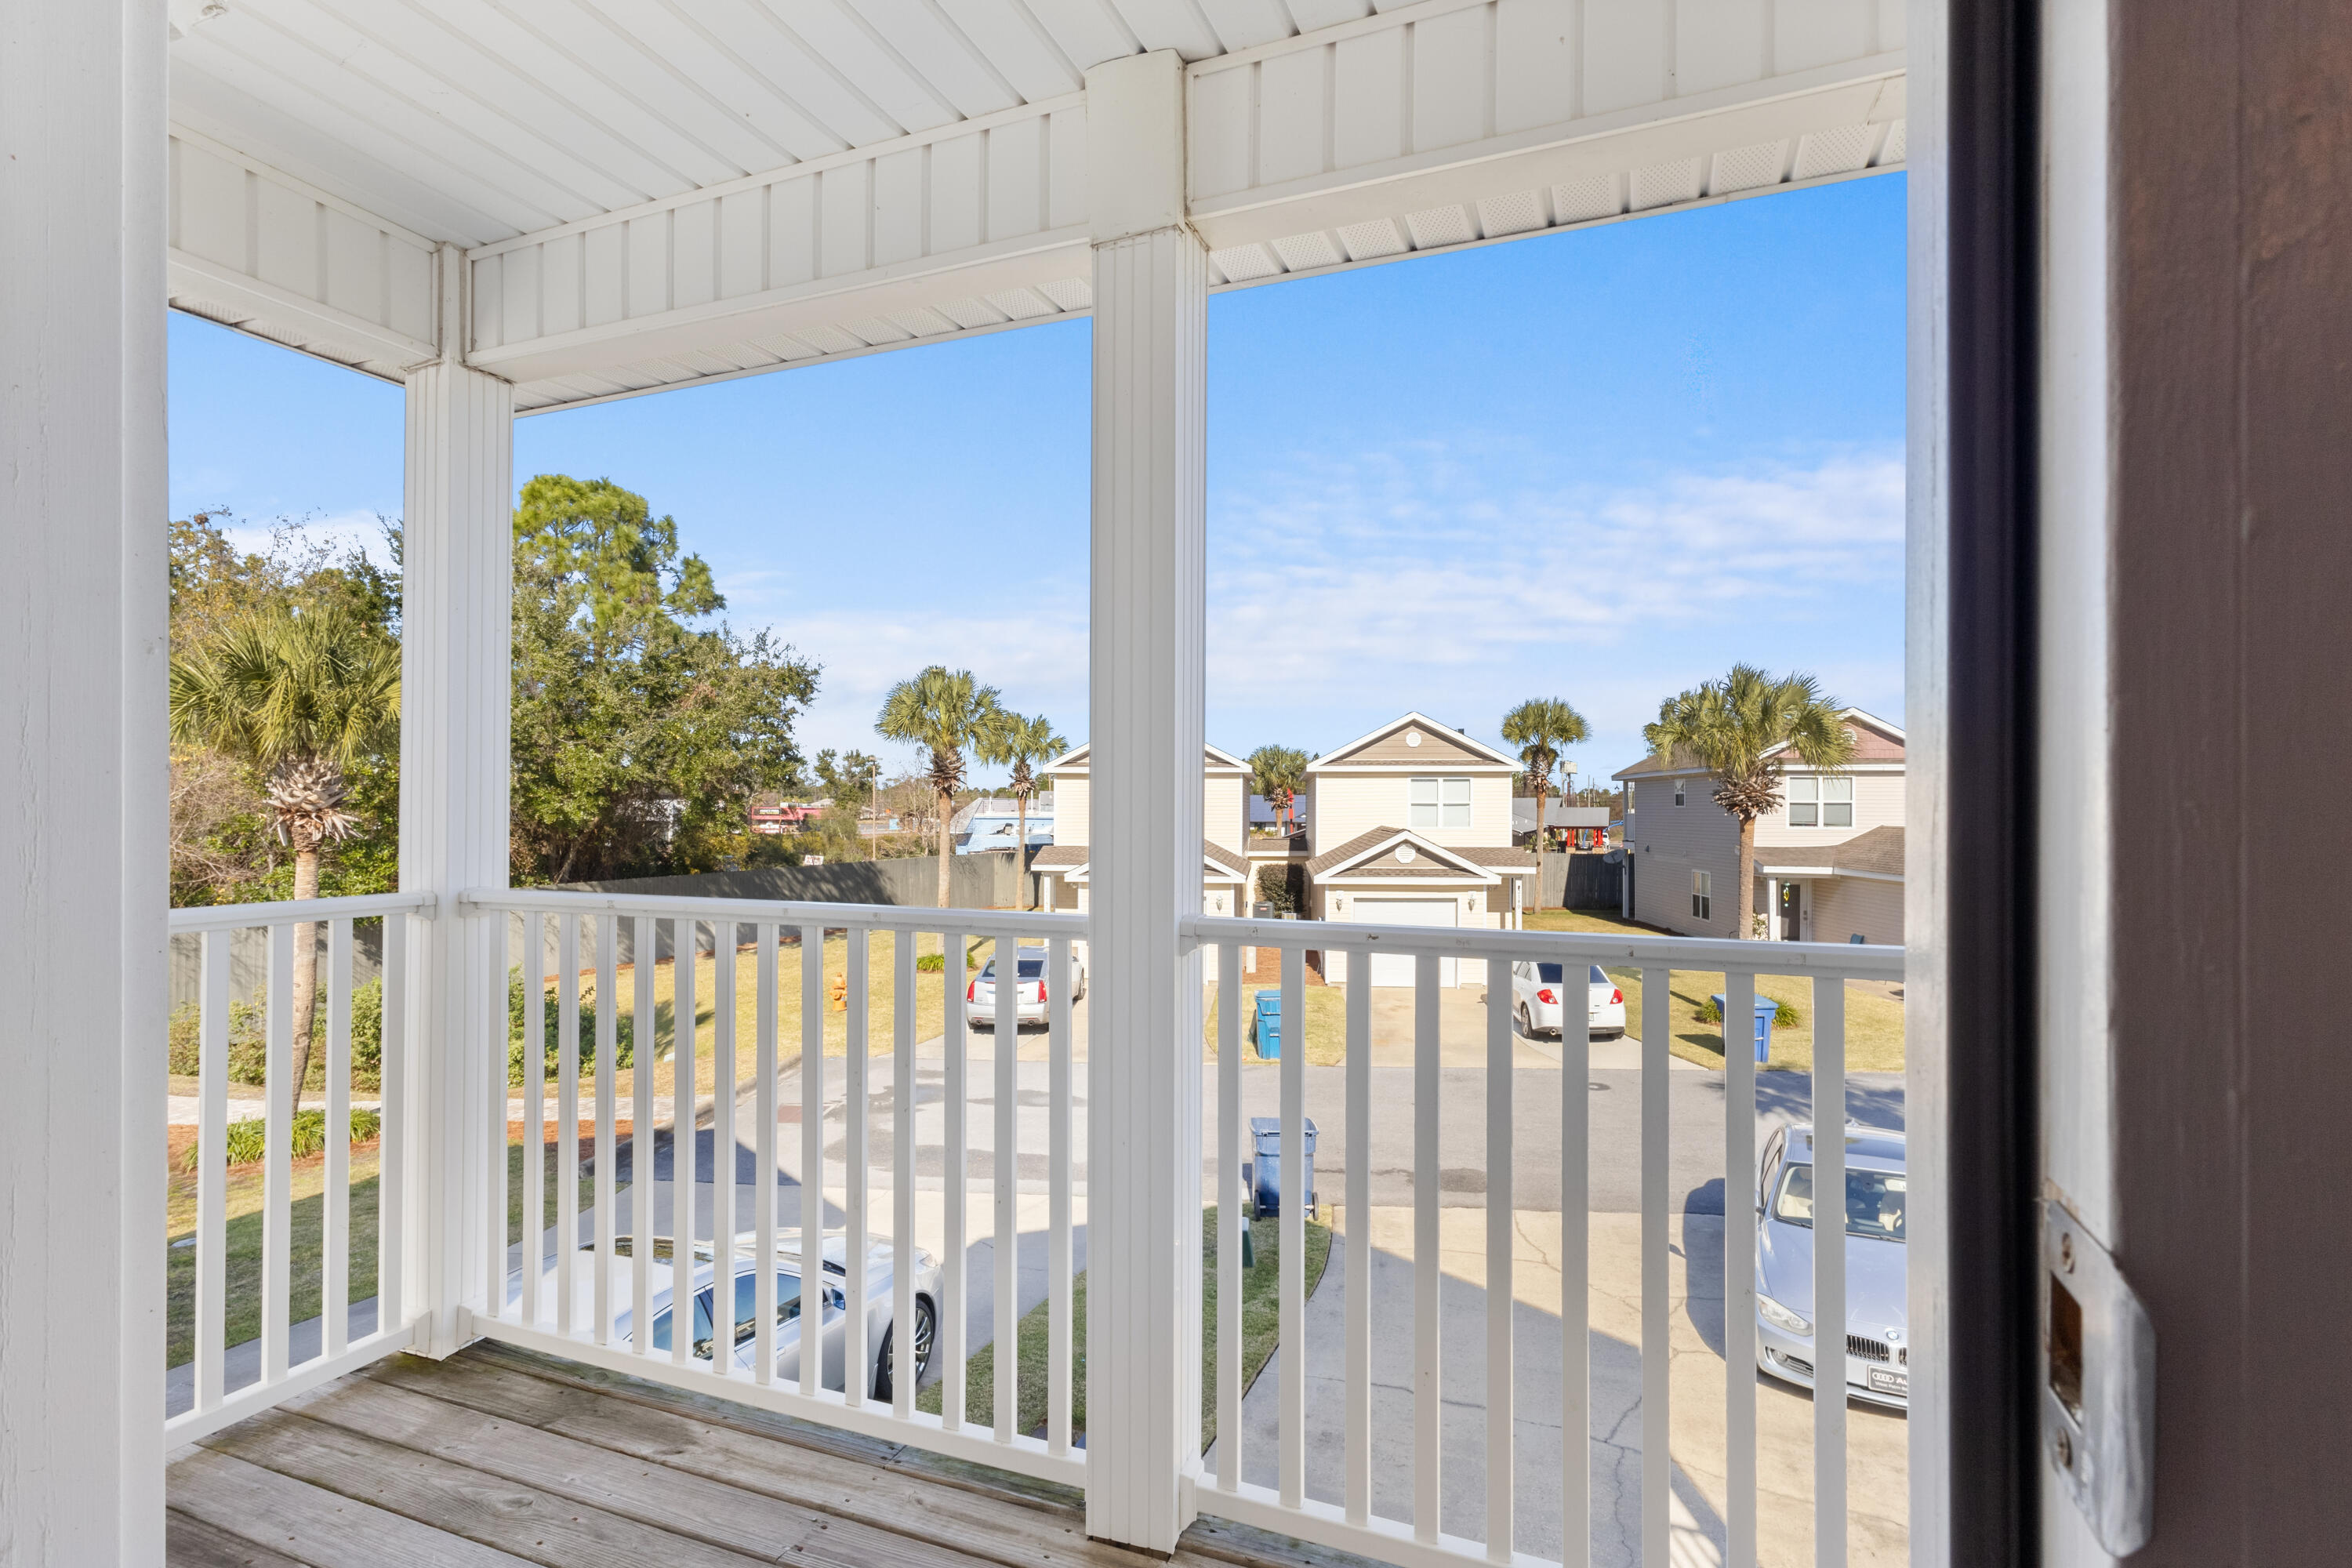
point(1882, 1381)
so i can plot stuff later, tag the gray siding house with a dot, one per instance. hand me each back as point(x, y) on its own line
point(1829, 859)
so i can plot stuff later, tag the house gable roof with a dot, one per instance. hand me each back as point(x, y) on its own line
point(1413, 741)
point(1374, 854)
point(1213, 760)
point(1875, 741)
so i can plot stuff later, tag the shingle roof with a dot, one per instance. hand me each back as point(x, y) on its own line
point(1498, 859)
point(1878, 851)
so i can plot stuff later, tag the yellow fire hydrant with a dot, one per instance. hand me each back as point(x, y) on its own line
point(838, 986)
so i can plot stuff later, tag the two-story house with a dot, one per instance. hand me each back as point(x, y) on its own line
point(1224, 869)
point(1411, 826)
point(1829, 859)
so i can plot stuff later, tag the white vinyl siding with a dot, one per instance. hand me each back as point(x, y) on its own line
point(1348, 805)
point(1847, 907)
point(1224, 800)
point(1071, 802)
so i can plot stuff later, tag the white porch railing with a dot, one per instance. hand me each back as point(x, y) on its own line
point(585, 923)
point(1351, 1524)
point(214, 1404)
point(587, 930)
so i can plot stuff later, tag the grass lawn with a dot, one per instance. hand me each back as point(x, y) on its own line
point(930, 1004)
point(242, 1308)
point(1326, 1023)
point(1874, 1023)
point(1261, 1326)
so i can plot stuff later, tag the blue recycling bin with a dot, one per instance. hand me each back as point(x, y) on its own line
point(1267, 1026)
point(1766, 1011)
point(1265, 1178)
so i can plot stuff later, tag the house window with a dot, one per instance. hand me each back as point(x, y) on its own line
point(1805, 801)
point(1702, 895)
point(1817, 802)
point(1837, 803)
point(1438, 803)
point(1679, 788)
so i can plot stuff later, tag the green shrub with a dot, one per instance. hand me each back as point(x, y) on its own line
point(248, 1041)
point(248, 1046)
point(248, 1139)
point(1283, 888)
point(936, 963)
point(624, 1030)
point(1784, 1016)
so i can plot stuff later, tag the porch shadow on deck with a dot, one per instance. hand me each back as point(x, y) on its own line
point(499, 1457)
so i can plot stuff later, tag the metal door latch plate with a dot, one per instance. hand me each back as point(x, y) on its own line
point(2098, 1384)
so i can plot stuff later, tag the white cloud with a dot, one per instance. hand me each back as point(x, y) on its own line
point(1035, 652)
point(1341, 594)
point(1344, 568)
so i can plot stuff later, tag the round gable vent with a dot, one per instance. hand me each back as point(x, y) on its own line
point(1405, 853)
point(1413, 737)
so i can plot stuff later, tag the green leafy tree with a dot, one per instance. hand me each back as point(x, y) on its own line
point(639, 731)
point(1020, 744)
point(299, 694)
point(1736, 728)
point(1278, 773)
point(1540, 727)
point(852, 782)
point(946, 714)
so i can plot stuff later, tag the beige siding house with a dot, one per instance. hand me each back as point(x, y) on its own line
point(1411, 826)
point(1224, 869)
point(1829, 860)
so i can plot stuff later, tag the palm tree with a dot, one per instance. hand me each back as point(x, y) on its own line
point(297, 694)
point(1540, 727)
point(1020, 743)
point(946, 712)
point(1278, 772)
point(1735, 728)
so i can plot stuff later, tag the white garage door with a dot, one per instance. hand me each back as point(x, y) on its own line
point(1396, 968)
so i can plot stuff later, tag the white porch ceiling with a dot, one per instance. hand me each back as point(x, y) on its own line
point(653, 192)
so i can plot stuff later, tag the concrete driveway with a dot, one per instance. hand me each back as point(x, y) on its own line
point(1876, 1440)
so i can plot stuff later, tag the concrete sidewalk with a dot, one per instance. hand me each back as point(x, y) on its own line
point(1876, 1439)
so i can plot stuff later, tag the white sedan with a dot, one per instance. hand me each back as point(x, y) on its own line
point(1032, 1000)
point(1536, 990)
point(742, 1315)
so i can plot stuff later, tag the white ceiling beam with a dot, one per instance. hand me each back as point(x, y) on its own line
point(254, 247)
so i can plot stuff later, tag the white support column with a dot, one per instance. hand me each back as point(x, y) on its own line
point(1772, 928)
point(82, 810)
point(455, 652)
point(1143, 1366)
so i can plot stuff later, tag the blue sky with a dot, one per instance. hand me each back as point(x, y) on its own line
point(1602, 465)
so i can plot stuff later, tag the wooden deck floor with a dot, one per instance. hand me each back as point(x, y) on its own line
point(498, 1456)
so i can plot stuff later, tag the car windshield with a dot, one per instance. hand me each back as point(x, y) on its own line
point(1551, 975)
point(1873, 1201)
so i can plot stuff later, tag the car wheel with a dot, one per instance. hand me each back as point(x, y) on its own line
point(1527, 1025)
point(886, 1360)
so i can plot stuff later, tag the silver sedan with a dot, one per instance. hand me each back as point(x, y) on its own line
point(740, 1317)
